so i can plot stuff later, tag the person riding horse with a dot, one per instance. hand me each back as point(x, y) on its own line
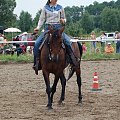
point(53, 15)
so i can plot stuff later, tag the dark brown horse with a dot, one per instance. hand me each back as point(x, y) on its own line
point(53, 60)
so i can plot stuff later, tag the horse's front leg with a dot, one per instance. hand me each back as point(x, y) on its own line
point(63, 83)
point(78, 74)
point(48, 90)
point(53, 89)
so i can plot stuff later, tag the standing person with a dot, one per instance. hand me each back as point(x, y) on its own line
point(93, 37)
point(117, 36)
point(102, 37)
point(1, 39)
point(52, 14)
point(84, 48)
point(24, 38)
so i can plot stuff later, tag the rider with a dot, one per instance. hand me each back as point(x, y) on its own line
point(52, 14)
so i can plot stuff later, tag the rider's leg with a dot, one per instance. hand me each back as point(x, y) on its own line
point(38, 42)
point(69, 50)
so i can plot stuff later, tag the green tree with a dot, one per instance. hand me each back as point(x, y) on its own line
point(74, 29)
point(7, 18)
point(117, 4)
point(74, 13)
point(25, 21)
point(110, 19)
point(87, 22)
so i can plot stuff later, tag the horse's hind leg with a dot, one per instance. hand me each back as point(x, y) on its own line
point(78, 74)
point(63, 83)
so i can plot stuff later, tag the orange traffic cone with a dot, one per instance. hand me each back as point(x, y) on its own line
point(95, 86)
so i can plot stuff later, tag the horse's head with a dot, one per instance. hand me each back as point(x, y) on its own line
point(56, 41)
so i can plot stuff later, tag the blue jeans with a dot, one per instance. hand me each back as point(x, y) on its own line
point(118, 47)
point(40, 40)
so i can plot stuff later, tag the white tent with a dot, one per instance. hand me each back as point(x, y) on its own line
point(12, 30)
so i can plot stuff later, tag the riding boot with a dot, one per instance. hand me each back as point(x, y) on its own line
point(73, 59)
point(36, 65)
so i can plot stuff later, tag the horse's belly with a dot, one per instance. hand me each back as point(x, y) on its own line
point(55, 68)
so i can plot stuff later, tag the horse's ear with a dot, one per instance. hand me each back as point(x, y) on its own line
point(62, 29)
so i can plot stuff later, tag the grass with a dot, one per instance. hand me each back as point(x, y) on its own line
point(100, 56)
point(28, 58)
point(22, 58)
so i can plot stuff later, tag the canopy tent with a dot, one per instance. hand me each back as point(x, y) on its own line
point(12, 30)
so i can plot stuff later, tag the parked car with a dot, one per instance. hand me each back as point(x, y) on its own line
point(110, 35)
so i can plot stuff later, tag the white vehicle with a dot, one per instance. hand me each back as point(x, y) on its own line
point(108, 36)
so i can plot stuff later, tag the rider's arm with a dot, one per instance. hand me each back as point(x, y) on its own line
point(62, 16)
point(41, 19)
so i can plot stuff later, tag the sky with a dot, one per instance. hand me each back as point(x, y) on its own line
point(33, 6)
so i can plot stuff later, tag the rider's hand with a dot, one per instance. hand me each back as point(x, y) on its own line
point(62, 21)
point(36, 29)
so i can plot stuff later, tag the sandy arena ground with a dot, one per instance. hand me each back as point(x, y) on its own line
point(23, 96)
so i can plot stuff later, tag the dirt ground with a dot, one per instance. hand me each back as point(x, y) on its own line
point(23, 96)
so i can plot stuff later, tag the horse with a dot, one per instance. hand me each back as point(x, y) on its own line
point(53, 60)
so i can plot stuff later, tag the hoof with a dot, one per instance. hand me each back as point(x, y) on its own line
point(49, 107)
point(80, 103)
point(61, 102)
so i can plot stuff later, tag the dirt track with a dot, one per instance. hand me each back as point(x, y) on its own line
point(23, 96)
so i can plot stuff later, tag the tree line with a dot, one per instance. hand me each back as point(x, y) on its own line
point(80, 20)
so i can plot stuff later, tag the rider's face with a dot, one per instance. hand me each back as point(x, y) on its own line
point(53, 1)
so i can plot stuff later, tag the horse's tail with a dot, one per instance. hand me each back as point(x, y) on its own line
point(80, 48)
point(71, 72)
point(71, 69)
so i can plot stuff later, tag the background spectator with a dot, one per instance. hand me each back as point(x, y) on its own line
point(102, 37)
point(117, 36)
point(93, 45)
point(18, 49)
point(84, 48)
point(1, 37)
point(109, 48)
point(24, 38)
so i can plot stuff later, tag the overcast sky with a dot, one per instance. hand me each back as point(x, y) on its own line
point(32, 6)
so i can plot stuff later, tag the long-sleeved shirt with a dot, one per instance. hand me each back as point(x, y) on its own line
point(51, 15)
